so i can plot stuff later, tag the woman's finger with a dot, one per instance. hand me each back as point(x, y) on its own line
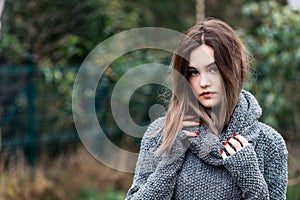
point(190, 123)
point(188, 117)
point(242, 139)
point(228, 148)
point(223, 154)
point(191, 134)
point(236, 144)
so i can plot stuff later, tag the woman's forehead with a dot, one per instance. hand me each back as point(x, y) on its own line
point(202, 56)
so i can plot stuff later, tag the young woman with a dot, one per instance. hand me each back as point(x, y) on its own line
point(210, 144)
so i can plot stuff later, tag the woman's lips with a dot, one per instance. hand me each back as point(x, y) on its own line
point(207, 95)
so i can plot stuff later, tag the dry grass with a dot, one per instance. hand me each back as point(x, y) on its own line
point(62, 178)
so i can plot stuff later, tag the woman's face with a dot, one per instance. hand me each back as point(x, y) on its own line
point(205, 77)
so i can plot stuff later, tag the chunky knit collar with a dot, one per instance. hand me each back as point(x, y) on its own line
point(243, 121)
point(246, 113)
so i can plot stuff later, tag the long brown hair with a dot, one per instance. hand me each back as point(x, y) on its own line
point(232, 60)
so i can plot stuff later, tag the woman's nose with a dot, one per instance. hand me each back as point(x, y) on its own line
point(204, 81)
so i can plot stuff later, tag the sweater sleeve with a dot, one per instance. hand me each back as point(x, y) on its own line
point(268, 183)
point(244, 168)
point(155, 178)
point(276, 167)
point(276, 174)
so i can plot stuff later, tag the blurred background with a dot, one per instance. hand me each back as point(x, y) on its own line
point(43, 44)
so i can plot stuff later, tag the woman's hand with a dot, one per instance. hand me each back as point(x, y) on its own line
point(189, 121)
point(237, 143)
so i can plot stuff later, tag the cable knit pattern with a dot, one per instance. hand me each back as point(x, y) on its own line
point(194, 168)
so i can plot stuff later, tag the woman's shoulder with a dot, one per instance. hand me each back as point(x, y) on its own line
point(152, 135)
point(154, 126)
point(270, 138)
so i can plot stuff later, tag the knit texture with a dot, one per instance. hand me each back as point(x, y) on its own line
point(194, 168)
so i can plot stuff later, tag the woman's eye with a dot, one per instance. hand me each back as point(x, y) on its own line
point(193, 73)
point(214, 69)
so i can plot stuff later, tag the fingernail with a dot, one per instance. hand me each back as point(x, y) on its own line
point(224, 143)
point(221, 151)
point(228, 139)
point(235, 135)
point(197, 133)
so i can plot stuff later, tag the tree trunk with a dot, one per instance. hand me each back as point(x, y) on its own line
point(200, 10)
point(1, 10)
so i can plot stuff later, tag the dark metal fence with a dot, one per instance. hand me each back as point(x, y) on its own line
point(36, 110)
point(33, 115)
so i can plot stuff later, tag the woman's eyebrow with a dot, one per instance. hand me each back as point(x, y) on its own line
point(209, 65)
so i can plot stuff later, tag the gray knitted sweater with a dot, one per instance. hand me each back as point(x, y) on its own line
point(194, 168)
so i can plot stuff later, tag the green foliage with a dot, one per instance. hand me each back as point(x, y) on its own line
point(140, 101)
point(109, 194)
point(112, 194)
point(275, 45)
point(59, 35)
point(11, 48)
point(293, 192)
point(55, 96)
point(65, 31)
point(274, 42)
point(89, 194)
point(115, 12)
point(42, 28)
